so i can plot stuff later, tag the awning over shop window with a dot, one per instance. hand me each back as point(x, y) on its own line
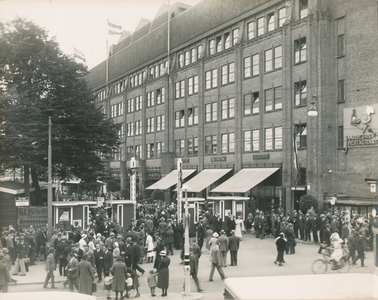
point(244, 180)
point(170, 180)
point(205, 179)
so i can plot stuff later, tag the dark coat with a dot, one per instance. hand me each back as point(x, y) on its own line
point(308, 224)
point(178, 232)
point(4, 274)
point(99, 257)
point(108, 260)
point(163, 271)
point(281, 244)
point(302, 221)
point(129, 254)
point(169, 239)
point(360, 244)
point(119, 271)
point(233, 243)
point(326, 237)
point(86, 277)
point(22, 250)
point(72, 265)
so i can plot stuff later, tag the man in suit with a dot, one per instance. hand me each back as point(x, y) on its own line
point(233, 245)
point(326, 238)
point(50, 268)
point(296, 224)
point(315, 227)
point(72, 272)
point(201, 233)
point(108, 260)
point(99, 261)
point(223, 248)
point(256, 223)
point(4, 275)
point(307, 228)
point(129, 252)
point(61, 257)
point(302, 221)
point(322, 227)
point(262, 222)
point(360, 247)
point(22, 252)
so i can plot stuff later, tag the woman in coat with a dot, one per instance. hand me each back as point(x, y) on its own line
point(178, 233)
point(119, 271)
point(163, 273)
point(85, 274)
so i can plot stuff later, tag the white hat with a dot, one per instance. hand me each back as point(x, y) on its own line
point(162, 253)
point(215, 235)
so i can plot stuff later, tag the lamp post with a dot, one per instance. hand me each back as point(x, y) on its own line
point(49, 187)
point(186, 244)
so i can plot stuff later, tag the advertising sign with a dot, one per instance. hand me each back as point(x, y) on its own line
point(36, 216)
point(360, 126)
point(22, 201)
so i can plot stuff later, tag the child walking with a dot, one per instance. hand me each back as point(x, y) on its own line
point(129, 284)
point(151, 280)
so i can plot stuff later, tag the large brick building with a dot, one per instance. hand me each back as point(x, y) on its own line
point(227, 86)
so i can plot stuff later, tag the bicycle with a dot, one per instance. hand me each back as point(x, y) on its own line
point(320, 266)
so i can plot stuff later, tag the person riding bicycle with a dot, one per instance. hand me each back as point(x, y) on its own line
point(337, 253)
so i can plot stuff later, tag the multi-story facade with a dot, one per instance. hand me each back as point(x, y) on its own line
point(228, 84)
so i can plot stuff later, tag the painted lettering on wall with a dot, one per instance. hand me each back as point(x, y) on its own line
point(36, 216)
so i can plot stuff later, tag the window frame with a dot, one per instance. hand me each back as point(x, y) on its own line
point(251, 30)
point(252, 140)
point(211, 81)
point(300, 50)
point(228, 108)
point(274, 138)
point(228, 142)
point(281, 16)
point(300, 137)
point(228, 73)
point(213, 114)
point(193, 85)
point(270, 22)
point(260, 26)
point(211, 145)
point(298, 87)
point(180, 89)
point(192, 143)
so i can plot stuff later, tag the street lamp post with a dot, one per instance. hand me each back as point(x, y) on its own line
point(186, 244)
point(49, 187)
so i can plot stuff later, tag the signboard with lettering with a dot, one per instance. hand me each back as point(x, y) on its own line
point(218, 158)
point(360, 126)
point(36, 216)
point(22, 201)
point(261, 156)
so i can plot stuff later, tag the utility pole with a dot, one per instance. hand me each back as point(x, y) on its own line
point(49, 187)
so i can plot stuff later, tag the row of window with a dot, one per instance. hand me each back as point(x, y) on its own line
point(152, 124)
point(116, 110)
point(191, 116)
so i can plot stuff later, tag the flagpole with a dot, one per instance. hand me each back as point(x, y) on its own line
point(169, 38)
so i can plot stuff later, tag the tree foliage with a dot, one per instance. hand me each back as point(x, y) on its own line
point(306, 201)
point(37, 81)
point(157, 195)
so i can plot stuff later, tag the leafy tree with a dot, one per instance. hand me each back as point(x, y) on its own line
point(125, 193)
point(113, 186)
point(306, 201)
point(37, 81)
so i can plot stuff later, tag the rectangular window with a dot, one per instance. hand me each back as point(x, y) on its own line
point(157, 74)
point(341, 95)
point(303, 9)
point(140, 79)
point(247, 67)
point(301, 135)
point(150, 99)
point(277, 57)
point(255, 65)
point(251, 103)
point(211, 112)
point(235, 36)
point(160, 123)
point(227, 38)
point(251, 30)
point(341, 45)
point(228, 73)
point(180, 60)
point(130, 105)
point(186, 58)
point(180, 89)
point(150, 150)
point(129, 152)
point(138, 151)
point(300, 92)
point(273, 99)
point(211, 47)
point(179, 118)
point(273, 138)
point(159, 149)
point(228, 142)
point(150, 125)
point(340, 137)
point(199, 51)
point(138, 103)
point(211, 144)
point(192, 116)
point(278, 97)
point(270, 21)
point(130, 129)
point(260, 26)
point(268, 60)
point(120, 131)
point(278, 138)
point(192, 146)
point(300, 49)
point(228, 108)
point(179, 147)
point(251, 140)
point(219, 44)
point(138, 127)
point(193, 55)
point(193, 85)
point(160, 96)
point(269, 99)
point(161, 68)
point(211, 78)
point(281, 16)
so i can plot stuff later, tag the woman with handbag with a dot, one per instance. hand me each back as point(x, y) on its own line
point(85, 275)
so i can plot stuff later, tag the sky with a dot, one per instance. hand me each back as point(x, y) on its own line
point(83, 23)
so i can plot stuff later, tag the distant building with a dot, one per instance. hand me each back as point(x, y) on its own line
point(233, 91)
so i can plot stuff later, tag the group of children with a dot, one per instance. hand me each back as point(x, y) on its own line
point(151, 280)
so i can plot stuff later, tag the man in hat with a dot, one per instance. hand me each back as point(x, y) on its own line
point(10, 245)
point(129, 252)
point(233, 245)
point(31, 240)
point(82, 241)
point(109, 242)
point(22, 252)
point(215, 260)
point(162, 227)
point(302, 221)
point(4, 276)
point(149, 225)
point(60, 256)
point(72, 272)
point(307, 228)
point(223, 248)
point(201, 232)
point(50, 268)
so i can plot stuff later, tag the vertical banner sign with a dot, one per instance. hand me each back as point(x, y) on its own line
point(179, 186)
point(133, 167)
point(36, 216)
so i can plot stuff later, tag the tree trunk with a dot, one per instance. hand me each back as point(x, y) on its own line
point(38, 195)
point(27, 183)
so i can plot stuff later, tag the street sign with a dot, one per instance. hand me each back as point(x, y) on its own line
point(22, 201)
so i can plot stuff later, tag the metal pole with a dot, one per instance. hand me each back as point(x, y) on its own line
point(187, 260)
point(49, 188)
point(179, 189)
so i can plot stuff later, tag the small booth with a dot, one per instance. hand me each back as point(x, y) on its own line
point(121, 211)
point(363, 206)
point(194, 212)
point(222, 205)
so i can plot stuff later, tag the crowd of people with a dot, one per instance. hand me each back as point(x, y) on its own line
point(114, 255)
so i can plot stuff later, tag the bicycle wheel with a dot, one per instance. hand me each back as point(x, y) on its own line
point(327, 255)
point(346, 266)
point(319, 266)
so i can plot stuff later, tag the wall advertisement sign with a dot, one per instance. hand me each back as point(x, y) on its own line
point(360, 126)
point(36, 216)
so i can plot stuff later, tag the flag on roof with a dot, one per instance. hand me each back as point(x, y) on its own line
point(78, 54)
point(114, 29)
